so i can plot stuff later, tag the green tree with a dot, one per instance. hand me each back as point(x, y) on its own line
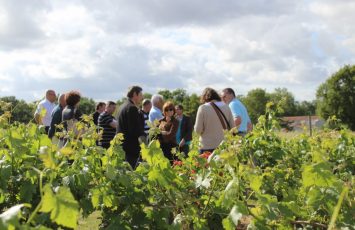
point(336, 96)
point(147, 96)
point(305, 108)
point(20, 110)
point(167, 95)
point(286, 101)
point(87, 105)
point(255, 102)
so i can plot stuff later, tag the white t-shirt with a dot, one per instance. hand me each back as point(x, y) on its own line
point(48, 106)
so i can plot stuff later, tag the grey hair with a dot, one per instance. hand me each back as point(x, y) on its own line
point(156, 98)
point(60, 97)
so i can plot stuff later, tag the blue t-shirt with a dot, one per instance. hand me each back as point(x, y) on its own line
point(239, 110)
point(155, 114)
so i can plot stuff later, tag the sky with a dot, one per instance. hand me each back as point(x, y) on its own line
point(102, 47)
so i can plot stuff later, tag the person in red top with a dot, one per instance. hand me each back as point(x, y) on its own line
point(168, 126)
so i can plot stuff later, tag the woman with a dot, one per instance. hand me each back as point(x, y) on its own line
point(213, 117)
point(168, 126)
point(71, 115)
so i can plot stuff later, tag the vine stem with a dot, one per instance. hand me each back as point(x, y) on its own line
point(210, 196)
point(34, 213)
point(314, 224)
point(337, 208)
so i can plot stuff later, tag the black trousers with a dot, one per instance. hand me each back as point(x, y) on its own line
point(167, 147)
point(132, 151)
point(185, 149)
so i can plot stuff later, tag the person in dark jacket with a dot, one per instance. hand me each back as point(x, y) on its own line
point(57, 116)
point(71, 114)
point(100, 108)
point(168, 126)
point(131, 126)
point(184, 133)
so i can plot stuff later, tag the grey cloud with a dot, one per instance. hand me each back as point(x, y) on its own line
point(20, 28)
point(141, 15)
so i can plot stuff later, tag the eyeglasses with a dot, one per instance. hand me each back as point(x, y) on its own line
point(168, 110)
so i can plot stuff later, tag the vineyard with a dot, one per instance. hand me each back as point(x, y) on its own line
point(263, 181)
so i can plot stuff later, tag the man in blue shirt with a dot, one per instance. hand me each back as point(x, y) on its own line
point(240, 113)
point(156, 113)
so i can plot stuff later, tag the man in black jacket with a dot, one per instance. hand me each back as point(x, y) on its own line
point(130, 124)
point(57, 116)
point(184, 133)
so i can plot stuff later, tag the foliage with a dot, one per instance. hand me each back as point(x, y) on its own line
point(288, 101)
point(336, 96)
point(305, 108)
point(255, 101)
point(87, 105)
point(261, 181)
point(20, 110)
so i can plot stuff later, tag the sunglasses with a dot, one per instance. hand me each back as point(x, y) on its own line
point(167, 110)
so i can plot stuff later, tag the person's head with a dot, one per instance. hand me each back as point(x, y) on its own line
point(179, 109)
point(209, 95)
point(73, 98)
point(135, 94)
point(157, 101)
point(61, 100)
point(50, 95)
point(110, 107)
point(228, 95)
point(100, 107)
point(168, 109)
point(146, 105)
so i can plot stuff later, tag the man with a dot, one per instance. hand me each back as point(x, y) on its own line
point(240, 113)
point(57, 116)
point(146, 107)
point(184, 133)
point(108, 124)
point(47, 104)
point(100, 107)
point(129, 123)
point(156, 111)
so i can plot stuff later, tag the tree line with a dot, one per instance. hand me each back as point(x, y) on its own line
point(335, 97)
point(255, 101)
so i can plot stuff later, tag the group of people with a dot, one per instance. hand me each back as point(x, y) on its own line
point(217, 112)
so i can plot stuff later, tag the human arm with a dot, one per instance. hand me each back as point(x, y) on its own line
point(113, 123)
point(37, 115)
point(199, 125)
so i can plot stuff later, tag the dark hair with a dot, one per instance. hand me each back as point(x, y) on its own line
point(229, 91)
point(132, 90)
point(146, 102)
point(180, 107)
point(168, 105)
point(208, 95)
point(109, 103)
point(100, 104)
point(72, 98)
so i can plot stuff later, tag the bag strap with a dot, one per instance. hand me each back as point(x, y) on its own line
point(220, 114)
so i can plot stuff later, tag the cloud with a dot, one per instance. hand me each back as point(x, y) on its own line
point(102, 47)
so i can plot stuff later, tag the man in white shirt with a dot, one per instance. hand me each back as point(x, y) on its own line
point(47, 105)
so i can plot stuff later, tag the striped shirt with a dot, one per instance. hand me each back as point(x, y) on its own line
point(108, 131)
point(145, 118)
